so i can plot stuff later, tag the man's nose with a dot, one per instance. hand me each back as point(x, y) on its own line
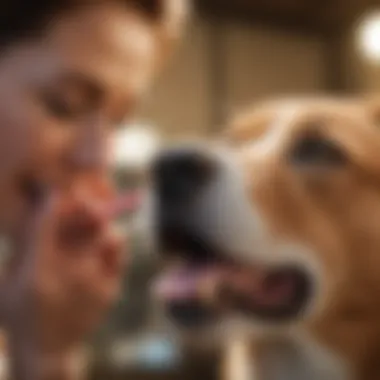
point(90, 150)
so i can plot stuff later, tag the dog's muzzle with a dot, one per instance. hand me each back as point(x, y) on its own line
point(207, 227)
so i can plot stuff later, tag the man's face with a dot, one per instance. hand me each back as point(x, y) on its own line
point(62, 96)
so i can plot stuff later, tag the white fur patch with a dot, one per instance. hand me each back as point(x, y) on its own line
point(224, 215)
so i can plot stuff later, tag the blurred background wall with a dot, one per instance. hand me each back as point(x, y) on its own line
point(221, 67)
point(236, 52)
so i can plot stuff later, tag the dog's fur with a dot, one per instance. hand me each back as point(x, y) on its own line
point(336, 215)
point(326, 219)
point(262, 207)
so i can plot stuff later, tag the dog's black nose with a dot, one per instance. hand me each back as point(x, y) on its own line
point(179, 174)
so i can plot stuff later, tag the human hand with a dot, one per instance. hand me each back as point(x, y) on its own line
point(65, 275)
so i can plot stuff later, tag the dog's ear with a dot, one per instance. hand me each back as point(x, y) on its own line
point(249, 124)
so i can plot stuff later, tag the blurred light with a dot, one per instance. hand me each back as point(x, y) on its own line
point(152, 354)
point(134, 146)
point(369, 37)
point(158, 354)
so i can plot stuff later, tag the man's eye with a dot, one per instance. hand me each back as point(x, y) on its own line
point(62, 108)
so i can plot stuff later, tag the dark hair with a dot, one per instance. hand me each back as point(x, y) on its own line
point(21, 19)
point(154, 9)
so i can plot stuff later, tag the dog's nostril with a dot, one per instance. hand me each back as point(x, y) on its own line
point(178, 174)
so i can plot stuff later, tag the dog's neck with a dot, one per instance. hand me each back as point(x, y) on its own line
point(355, 338)
point(298, 359)
point(340, 346)
point(350, 327)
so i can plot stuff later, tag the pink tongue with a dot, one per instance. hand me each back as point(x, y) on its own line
point(182, 283)
point(189, 283)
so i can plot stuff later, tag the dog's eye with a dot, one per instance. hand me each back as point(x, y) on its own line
point(316, 150)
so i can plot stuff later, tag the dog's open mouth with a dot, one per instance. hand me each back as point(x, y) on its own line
point(200, 290)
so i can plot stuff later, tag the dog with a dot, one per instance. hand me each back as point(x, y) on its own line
point(272, 234)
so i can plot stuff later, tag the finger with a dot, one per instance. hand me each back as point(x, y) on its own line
point(34, 249)
point(21, 264)
point(27, 236)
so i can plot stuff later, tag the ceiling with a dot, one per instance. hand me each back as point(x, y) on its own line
point(316, 16)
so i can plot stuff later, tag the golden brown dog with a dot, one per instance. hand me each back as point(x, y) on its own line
point(275, 235)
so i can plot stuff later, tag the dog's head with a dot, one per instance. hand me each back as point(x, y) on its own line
point(278, 225)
